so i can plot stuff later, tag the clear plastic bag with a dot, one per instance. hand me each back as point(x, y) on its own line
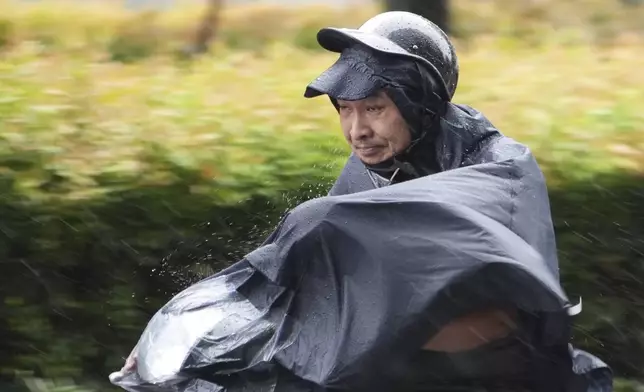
point(207, 330)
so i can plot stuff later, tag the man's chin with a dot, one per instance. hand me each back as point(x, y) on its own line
point(371, 159)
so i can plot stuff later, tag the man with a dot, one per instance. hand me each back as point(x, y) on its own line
point(392, 87)
point(401, 260)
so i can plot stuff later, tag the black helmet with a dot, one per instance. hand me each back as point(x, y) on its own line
point(404, 34)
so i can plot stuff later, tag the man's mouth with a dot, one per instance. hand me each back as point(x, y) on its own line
point(369, 150)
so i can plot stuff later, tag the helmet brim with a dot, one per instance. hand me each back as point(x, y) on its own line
point(336, 40)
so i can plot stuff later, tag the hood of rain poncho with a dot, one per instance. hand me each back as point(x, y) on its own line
point(349, 286)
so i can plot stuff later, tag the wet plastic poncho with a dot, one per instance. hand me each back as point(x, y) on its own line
point(466, 138)
point(350, 285)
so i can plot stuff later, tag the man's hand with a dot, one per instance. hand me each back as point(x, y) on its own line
point(130, 363)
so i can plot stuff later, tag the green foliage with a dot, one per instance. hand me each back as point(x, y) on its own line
point(135, 40)
point(622, 385)
point(599, 234)
point(6, 31)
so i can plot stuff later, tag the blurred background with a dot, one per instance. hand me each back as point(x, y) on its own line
point(147, 144)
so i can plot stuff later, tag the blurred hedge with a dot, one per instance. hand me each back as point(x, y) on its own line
point(121, 183)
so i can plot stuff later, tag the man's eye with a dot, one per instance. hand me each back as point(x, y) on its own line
point(375, 108)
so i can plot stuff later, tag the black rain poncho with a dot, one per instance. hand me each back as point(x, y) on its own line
point(466, 138)
point(348, 286)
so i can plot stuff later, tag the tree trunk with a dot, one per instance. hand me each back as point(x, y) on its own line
point(435, 10)
point(208, 27)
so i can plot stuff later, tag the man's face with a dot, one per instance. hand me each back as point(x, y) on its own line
point(374, 128)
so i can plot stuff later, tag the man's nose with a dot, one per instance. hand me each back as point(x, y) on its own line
point(360, 128)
